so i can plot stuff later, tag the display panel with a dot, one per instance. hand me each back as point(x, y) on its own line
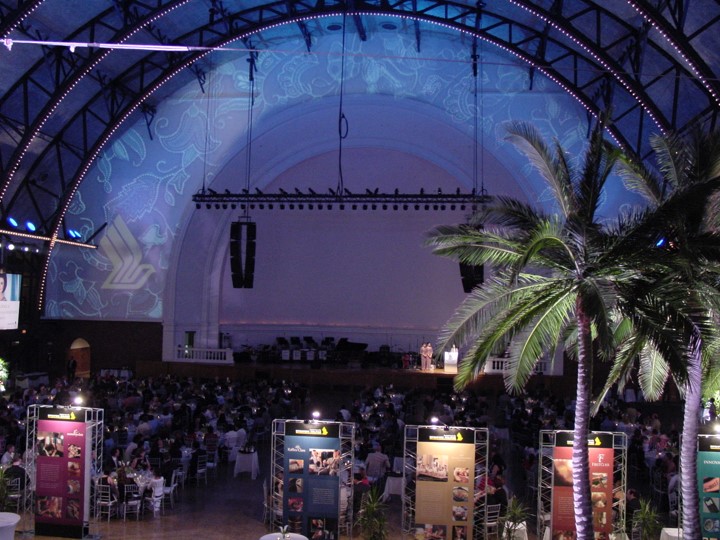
point(445, 480)
point(62, 447)
point(708, 471)
point(9, 300)
point(602, 460)
point(311, 494)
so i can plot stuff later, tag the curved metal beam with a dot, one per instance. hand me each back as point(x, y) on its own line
point(577, 58)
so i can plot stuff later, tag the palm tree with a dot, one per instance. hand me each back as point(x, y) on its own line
point(556, 274)
point(685, 288)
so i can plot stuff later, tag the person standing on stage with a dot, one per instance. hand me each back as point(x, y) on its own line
point(423, 355)
point(429, 353)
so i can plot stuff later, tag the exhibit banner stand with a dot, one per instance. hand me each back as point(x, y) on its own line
point(445, 482)
point(67, 452)
point(608, 463)
point(311, 477)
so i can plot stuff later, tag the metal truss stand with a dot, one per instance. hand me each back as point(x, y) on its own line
point(545, 479)
point(482, 450)
point(278, 476)
point(95, 418)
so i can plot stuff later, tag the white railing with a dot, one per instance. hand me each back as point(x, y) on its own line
point(195, 355)
point(499, 365)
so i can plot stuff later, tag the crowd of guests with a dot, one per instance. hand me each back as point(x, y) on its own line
point(153, 424)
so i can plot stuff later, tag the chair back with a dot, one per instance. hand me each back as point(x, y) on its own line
point(492, 513)
point(202, 462)
point(131, 491)
point(104, 493)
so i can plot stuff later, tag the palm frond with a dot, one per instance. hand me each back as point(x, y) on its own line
point(552, 166)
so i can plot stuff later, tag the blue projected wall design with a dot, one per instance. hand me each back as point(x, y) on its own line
point(139, 190)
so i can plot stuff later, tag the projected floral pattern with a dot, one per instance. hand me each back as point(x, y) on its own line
point(138, 193)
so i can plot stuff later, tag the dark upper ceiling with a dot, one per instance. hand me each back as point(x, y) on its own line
point(653, 64)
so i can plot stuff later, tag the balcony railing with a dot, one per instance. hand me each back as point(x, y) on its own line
point(499, 365)
point(195, 355)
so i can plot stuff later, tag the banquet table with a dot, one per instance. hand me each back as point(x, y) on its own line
point(670, 533)
point(393, 486)
point(288, 536)
point(247, 463)
point(8, 522)
point(520, 532)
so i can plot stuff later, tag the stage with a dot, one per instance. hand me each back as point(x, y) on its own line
point(315, 374)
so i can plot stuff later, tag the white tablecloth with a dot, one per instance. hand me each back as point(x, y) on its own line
point(393, 486)
point(278, 536)
point(8, 522)
point(247, 463)
point(671, 534)
point(520, 532)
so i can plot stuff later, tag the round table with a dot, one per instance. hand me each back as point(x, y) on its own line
point(278, 536)
point(8, 521)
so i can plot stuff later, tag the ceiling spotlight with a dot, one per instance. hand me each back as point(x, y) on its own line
point(12, 221)
point(30, 226)
point(11, 246)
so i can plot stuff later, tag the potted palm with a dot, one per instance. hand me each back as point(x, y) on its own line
point(371, 518)
point(646, 521)
point(515, 516)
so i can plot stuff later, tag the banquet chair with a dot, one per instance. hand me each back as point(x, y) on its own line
point(105, 503)
point(201, 472)
point(14, 496)
point(492, 521)
point(181, 476)
point(170, 492)
point(132, 503)
point(155, 501)
point(212, 463)
point(673, 506)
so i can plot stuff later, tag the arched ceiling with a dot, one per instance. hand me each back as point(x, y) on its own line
point(75, 70)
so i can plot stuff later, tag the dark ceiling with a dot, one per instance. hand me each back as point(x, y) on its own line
point(65, 89)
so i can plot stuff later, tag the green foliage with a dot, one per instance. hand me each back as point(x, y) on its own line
point(372, 518)
point(516, 514)
point(647, 520)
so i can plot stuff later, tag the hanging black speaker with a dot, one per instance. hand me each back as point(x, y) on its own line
point(471, 276)
point(242, 253)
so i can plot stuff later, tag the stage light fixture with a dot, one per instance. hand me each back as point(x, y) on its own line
point(11, 220)
point(282, 207)
point(197, 206)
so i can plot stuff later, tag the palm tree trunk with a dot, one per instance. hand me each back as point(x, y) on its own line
point(580, 454)
point(688, 451)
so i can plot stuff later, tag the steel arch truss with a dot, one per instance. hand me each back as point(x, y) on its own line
point(648, 73)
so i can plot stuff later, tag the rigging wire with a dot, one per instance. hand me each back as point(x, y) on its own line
point(343, 127)
point(249, 136)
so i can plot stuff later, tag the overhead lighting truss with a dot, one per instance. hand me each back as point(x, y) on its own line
point(370, 200)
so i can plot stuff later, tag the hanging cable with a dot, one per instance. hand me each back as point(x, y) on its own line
point(343, 127)
point(203, 78)
point(248, 142)
point(474, 58)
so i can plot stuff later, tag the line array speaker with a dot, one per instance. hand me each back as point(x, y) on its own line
point(242, 253)
point(471, 276)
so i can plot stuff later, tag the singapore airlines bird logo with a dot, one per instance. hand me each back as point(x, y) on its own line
point(125, 255)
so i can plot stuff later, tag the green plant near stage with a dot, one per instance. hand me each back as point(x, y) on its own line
point(372, 518)
point(4, 373)
point(646, 521)
point(515, 515)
